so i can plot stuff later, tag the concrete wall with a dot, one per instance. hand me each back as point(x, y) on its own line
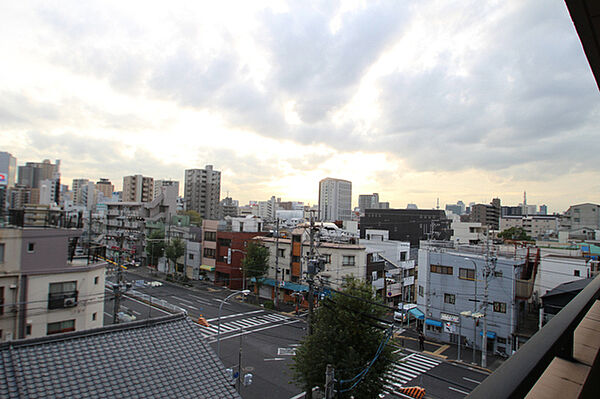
point(556, 270)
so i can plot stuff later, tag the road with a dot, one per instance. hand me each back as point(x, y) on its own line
point(267, 338)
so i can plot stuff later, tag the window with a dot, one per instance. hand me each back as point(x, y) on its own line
point(210, 236)
point(421, 290)
point(441, 269)
point(225, 242)
point(28, 329)
point(30, 247)
point(61, 327)
point(1, 253)
point(62, 295)
point(576, 273)
point(209, 253)
point(450, 298)
point(191, 256)
point(498, 274)
point(433, 328)
point(287, 272)
point(93, 316)
point(347, 260)
point(500, 307)
point(402, 256)
point(281, 252)
point(466, 274)
point(96, 280)
point(501, 340)
point(1, 300)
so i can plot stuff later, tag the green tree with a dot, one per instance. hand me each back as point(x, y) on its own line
point(256, 263)
point(346, 336)
point(175, 249)
point(515, 233)
point(195, 217)
point(155, 246)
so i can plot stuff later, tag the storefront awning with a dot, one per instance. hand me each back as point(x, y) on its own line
point(417, 313)
point(490, 334)
point(434, 323)
point(207, 268)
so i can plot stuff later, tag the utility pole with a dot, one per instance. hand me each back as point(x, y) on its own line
point(329, 382)
point(117, 288)
point(276, 299)
point(310, 273)
point(485, 305)
point(239, 379)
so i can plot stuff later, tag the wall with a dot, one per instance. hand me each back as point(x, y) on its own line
point(556, 270)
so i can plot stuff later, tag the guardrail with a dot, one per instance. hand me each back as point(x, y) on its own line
point(517, 376)
point(149, 299)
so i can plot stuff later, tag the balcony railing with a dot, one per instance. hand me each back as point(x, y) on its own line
point(62, 300)
point(555, 344)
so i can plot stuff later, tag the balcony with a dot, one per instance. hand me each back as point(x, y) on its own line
point(62, 300)
point(560, 361)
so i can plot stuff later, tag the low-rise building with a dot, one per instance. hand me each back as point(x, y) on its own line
point(535, 226)
point(44, 289)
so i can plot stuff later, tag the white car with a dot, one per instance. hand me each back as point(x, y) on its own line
point(125, 317)
point(154, 284)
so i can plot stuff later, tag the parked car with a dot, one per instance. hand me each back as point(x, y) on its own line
point(125, 317)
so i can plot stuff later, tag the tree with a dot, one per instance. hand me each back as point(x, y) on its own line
point(175, 249)
point(515, 233)
point(347, 337)
point(195, 217)
point(155, 246)
point(256, 263)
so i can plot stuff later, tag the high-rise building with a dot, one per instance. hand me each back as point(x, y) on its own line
point(488, 215)
point(203, 191)
point(76, 187)
point(172, 185)
point(8, 169)
point(105, 187)
point(34, 173)
point(368, 201)
point(138, 188)
point(335, 200)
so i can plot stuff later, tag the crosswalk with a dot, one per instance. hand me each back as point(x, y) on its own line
point(406, 369)
point(245, 324)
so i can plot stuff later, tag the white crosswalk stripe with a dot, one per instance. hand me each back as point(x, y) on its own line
point(407, 369)
point(247, 323)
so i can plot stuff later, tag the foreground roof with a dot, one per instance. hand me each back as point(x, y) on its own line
point(158, 358)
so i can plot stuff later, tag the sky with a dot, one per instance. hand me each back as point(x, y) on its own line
point(456, 100)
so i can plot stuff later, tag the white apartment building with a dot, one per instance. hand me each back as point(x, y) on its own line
point(335, 200)
point(43, 289)
point(202, 191)
point(466, 232)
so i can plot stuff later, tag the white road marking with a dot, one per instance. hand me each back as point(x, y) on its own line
point(471, 380)
point(253, 331)
point(275, 358)
point(181, 299)
point(136, 312)
point(234, 315)
point(458, 390)
point(191, 306)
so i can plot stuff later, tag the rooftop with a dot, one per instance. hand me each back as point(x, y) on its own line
point(157, 358)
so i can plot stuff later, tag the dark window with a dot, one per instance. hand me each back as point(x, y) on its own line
point(28, 329)
point(498, 274)
point(441, 269)
point(209, 253)
point(296, 238)
point(1, 253)
point(576, 273)
point(402, 256)
point(191, 256)
point(500, 307)
point(326, 258)
point(225, 242)
point(421, 290)
point(61, 327)
point(210, 236)
point(1, 300)
point(96, 280)
point(450, 298)
point(295, 258)
point(94, 316)
point(348, 260)
point(30, 247)
point(466, 274)
point(281, 252)
point(62, 295)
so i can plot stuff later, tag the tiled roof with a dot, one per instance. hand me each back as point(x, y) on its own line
point(160, 358)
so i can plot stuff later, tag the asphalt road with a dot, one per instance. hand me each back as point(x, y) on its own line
point(267, 338)
point(266, 341)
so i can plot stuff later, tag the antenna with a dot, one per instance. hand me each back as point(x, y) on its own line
point(438, 203)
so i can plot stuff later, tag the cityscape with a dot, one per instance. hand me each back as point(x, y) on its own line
point(231, 220)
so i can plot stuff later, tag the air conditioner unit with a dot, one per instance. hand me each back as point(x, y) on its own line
point(70, 302)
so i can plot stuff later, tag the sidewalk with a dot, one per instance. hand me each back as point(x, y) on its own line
point(449, 352)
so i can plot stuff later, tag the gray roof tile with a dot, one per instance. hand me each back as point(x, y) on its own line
point(165, 357)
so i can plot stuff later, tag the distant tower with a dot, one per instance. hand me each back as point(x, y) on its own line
point(438, 203)
point(525, 202)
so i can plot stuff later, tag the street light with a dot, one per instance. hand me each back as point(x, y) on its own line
point(244, 292)
point(474, 308)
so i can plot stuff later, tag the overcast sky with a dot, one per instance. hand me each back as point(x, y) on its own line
point(461, 100)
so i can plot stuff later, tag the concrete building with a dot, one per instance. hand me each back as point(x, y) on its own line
point(458, 208)
point(43, 289)
point(450, 280)
point(160, 185)
point(19, 196)
point(368, 201)
point(32, 173)
point(105, 187)
point(138, 188)
point(228, 207)
point(8, 169)
point(488, 215)
point(557, 269)
point(267, 209)
point(535, 226)
point(410, 225)
point(203, 191)
point(335, 200)
point(467, 232)
point(580, 216)
point(76, 186)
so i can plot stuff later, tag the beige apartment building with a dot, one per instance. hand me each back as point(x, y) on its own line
point(534, 226)
point(138, 188)
point(43, 290)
